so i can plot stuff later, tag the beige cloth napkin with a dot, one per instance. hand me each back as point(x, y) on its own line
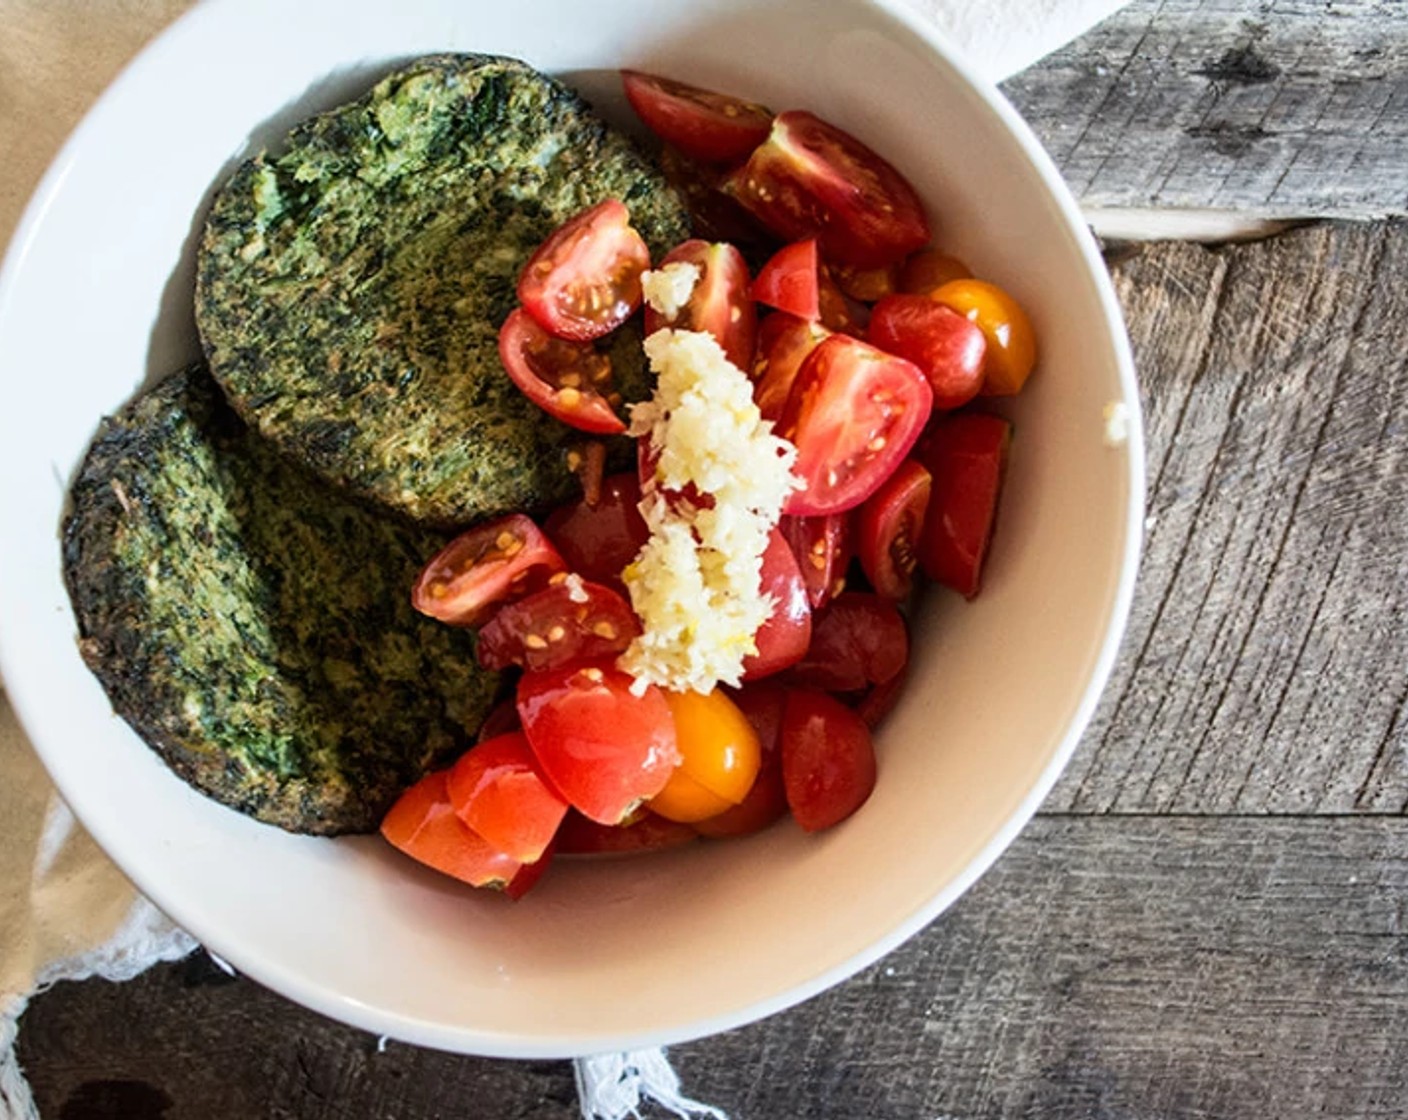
point(65, 910)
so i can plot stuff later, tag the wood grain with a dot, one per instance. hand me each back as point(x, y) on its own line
point(1106, 968)
point(1287, 108)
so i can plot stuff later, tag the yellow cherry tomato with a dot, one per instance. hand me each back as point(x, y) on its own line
point(928, 270)
point(1011, 352)
point(719, 755)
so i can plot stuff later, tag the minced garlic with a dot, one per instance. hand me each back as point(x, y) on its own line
point(668, 288)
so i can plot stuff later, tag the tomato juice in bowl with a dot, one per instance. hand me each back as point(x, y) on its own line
point(615, 953)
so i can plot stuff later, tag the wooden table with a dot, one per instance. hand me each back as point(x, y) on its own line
point(1210, 916)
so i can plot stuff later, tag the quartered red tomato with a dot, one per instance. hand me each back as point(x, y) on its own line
point(828, 760)
point(719, 303)
point(788, 281)
point(569, 380)
point(950, 349)
point(824, 548)
point(584, 280)
point(497, 791)
point(965, 453)
point(599, 541)
point(570, 620)
point(603, 748)
point(642, 832)
point(704, 125)
point(811, 179)
point(858, 640)
point(713, 215)
point(854, 413)
point(783, 639)
point(490, 564)
point(784, 341)
point(766, 802)
point(890, 523)
point(423, 824)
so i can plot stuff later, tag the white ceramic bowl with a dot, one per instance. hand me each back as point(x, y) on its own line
point(95, 300)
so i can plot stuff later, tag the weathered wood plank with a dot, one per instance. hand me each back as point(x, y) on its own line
point(1107, 967)
point(1266, 666)
point(1289, 108)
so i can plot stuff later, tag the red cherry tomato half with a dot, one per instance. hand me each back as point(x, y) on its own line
point(784, 341)
point(965, 453)
point(783, 639)
point(719, 303)
point(950, 349)
point(823, 547)
point(828, 760)
point(497, 791)
point(890, 523)
point(571, 620)
point(881, 699)
point(569, 380)
point(788, 281)
point(811, 179)
point(702, 124)
point(642, 832)
point(857, 640)
point(713, 215)
point(490, 564)
point(423, 824)
point(854, 413)
point(603, 748)
point(599, 541)
point(584, 280)
point(766, 802)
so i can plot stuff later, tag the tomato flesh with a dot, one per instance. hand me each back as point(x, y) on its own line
point(784, 638)
point(423, 824)
point(784, 341)
point(719, 303)
point(951, 350)
point(1011, 342)
point(603, 748)
point(890, 524)
point(811, 179)
point(569, 380)
point(719, 757)
point(858, 640)
point(788, 281)
point(490, 564)
point(584, 280)
point(599, 541)
point(828, 760)
point(965, 454)
point(570, 620)
point(854, 412)
point(823, 547)
point(497, 791)
point(704, 125)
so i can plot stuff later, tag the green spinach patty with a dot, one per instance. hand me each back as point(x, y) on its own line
point(253, 625)
point(350, 290)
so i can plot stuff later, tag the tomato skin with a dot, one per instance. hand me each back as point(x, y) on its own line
point(858, 640)
point(784, 341)
point(783, 639)
point(642, 832)
point(497, 791)
point(719, 303)
point(928, 270)
point(568, 621)
point(811, 179)
point(584, 280)
point(529, 874)
point(788, 281)
point(890, 524)
point(824, 547)
point(604, 749)
point(828, 760)
point(881, 699)
point(766, 801)
point(600, 541)
point(854, 413)
point(951, 350)
point(720, 756)
point(1011, 342)
point(490, 564)
point(704, 125)
point(965, 454)
point(423, 824)
point(568, 380)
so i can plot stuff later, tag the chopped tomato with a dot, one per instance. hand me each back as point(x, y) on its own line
point(866, 284)
point(603, 748)
point(950, 349)
point(839, 312)
point(584, 280)
point(1011, 349)
point(965, 453)
point(713, 215)
point(854, 413)
point(600, 541)
point(811, 179)
point(423, 824)
point(490, 564)
point(719, 757)
point(569, 620)
point(642, 832)
point(823, 547)
point(588, 462)
point(719, 303)
point(569, 380)
point(502, 718)
point(880, 700)
point(788, 281)
point(784, 341)
point(858, 640)
point(783, 639)
point(497, 791)
point(529, 874)
point(702, 124)
point(766, 801)
point(928, 270)
point(828, 760)
point(890, 522)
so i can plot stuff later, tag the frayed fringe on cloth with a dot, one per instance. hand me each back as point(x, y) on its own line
point(614, 1086)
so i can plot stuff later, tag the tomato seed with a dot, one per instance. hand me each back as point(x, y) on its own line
point(877, 444)
point(569, 397)
point(556, 634)
point(532, 641)
point(605, 630)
